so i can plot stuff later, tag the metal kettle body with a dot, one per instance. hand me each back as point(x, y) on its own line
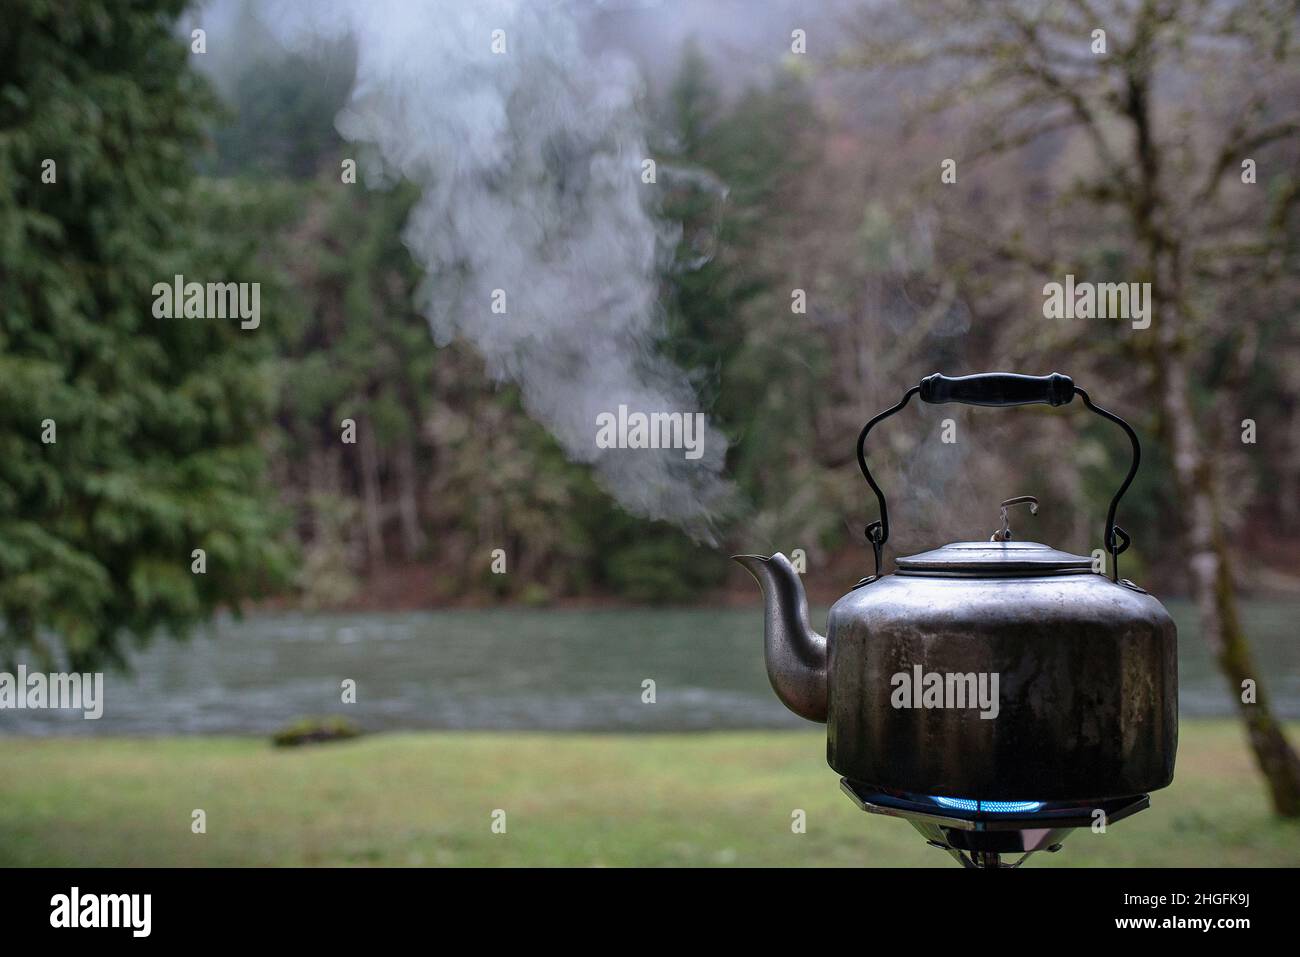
point(1049, 688)
point(1002, 671)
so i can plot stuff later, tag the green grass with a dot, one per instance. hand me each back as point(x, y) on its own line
point(427, 799)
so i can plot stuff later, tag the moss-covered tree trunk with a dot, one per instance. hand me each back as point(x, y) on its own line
point(1209, 567)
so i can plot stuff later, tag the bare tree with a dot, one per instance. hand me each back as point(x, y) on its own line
point(1179, 123)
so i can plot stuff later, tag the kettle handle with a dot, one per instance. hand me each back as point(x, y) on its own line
point(1000, 389)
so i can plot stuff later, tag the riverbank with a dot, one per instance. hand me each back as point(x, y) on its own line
point(518, 670)
point(569, 799)
point(424, 585)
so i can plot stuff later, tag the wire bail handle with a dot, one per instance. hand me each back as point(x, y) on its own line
point(1000, 389)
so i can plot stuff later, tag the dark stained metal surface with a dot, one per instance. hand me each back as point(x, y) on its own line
point(1087, 687)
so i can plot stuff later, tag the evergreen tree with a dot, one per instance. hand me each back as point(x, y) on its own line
point(127, 442)
point(759, 367)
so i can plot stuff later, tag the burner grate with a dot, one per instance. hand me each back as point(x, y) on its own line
point(977, 832)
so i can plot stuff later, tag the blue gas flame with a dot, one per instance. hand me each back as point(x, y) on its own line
point(989, 807)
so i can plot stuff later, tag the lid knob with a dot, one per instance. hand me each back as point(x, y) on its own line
point(1004, 533)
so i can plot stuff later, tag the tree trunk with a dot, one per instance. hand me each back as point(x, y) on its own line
point(371, 495)
point(1208, 563)
point(408, 505)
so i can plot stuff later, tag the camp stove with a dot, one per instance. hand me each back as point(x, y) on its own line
point(978, 833)
point(996, 694)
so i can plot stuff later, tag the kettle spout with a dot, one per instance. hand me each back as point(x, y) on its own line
point(795, 654)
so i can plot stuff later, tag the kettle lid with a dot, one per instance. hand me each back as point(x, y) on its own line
point(994, 560)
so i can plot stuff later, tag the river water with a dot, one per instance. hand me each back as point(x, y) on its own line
point(565, 670)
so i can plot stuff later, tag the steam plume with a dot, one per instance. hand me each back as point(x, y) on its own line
point(529, 164)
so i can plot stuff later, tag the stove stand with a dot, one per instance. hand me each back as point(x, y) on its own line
point(978, 833)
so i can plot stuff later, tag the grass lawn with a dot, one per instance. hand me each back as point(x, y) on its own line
point(427, 799)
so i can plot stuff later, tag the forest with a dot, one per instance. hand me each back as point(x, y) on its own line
point(817, 274)
point(895, 204)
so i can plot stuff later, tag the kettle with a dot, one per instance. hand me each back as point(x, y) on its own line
point(999, 673)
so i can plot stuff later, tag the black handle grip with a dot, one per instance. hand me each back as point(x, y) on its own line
point(998, 389)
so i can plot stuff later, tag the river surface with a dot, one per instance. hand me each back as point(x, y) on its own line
point(567, 670)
